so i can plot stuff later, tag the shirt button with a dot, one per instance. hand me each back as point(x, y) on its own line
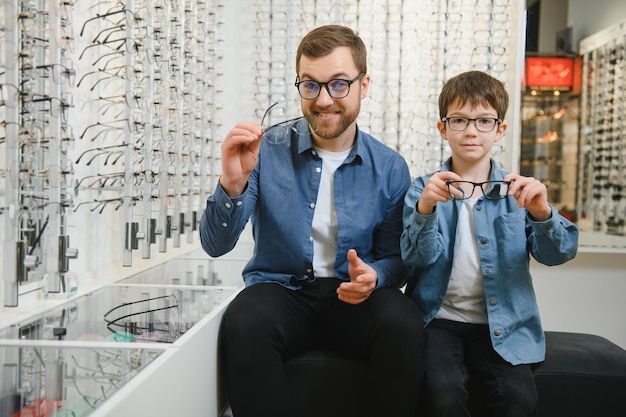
point(313, 153)
point(318, 169)
point(239, 203)
point(488, 270)
point(228, 205)
point(493, 302)
point(418, 221)
point(496, 333)
point(478, 208)
point(311, 238)
point(548, 226)
point(309, 270)
point(224, 224)
point(312, 205)
point(483, 241)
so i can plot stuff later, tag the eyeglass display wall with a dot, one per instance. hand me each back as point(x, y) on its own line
point(413, 48)
point(108, 116)
point(601, 183)
point(111, 111)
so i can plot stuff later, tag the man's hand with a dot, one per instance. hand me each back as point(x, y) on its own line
point(362, 283)
point(240, 152)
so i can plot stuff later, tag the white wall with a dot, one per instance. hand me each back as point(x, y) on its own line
point(585, 295)
point(588, 17)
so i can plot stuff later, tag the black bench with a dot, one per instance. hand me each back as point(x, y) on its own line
point(583, 376)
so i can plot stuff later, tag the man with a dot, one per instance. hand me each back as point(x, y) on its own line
point(326, 209)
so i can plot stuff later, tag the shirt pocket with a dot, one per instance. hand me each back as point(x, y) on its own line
point(510, 230)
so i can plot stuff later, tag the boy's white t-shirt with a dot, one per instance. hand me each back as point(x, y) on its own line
point(465, 298)
point(324, 217)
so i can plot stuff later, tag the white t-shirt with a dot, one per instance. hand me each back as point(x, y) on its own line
point(324, 217)
point(465, 298)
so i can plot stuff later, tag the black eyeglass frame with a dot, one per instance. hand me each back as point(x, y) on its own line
point(468, 120)
point(319, 84)
point(486, 192)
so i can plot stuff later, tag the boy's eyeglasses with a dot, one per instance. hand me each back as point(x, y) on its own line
point(337, 88)
point(483, 124)
point(492, 190)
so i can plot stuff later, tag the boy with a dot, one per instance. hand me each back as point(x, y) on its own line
point(468, 232)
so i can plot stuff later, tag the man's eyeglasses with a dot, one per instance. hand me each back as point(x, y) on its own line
point(483, 124)
point(492, 190)
point(337, 88)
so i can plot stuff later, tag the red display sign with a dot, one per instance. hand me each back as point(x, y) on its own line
point(549, 73)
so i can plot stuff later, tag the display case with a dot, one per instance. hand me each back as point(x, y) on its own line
point(549, 145)
point(71, 359)
point(66, 379)
point(194, 269)
point(123, 313)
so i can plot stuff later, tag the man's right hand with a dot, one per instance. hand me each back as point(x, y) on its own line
point(240, 152)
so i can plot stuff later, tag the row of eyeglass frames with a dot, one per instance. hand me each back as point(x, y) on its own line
point(602, 195)
point(413, 48)
point(108, 109)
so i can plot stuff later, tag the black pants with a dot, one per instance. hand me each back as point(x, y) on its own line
point(267, 324)
point(464, 373)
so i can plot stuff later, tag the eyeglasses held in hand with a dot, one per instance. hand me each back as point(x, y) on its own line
point(279, 132)
point(337, 88)
point(492, 190)
point(483, 124)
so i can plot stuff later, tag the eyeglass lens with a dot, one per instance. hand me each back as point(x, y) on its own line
point(337, 88)
point(492, 190)
point(485, 124)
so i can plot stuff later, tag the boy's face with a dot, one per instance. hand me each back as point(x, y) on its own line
point(471, 145)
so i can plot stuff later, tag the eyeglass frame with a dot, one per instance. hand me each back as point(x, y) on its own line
point(265, 130)
point(349, 82)
point(495, 119)
point(480, 185)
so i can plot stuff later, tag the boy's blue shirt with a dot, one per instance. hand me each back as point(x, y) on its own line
point(369, 190)
point(506, 236)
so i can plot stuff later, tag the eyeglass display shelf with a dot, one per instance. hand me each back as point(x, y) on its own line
point(70, 361)
point(44, 378)
point(123, 313)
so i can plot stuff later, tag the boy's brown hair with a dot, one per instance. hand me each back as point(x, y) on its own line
point(475, 88)
point(324, 39)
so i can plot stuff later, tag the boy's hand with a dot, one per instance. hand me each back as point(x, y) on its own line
point(435, 191)
point(362, 283)
point(531, 194)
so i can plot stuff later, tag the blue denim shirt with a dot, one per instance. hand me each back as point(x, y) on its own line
point(506, 235)
point(280, 198)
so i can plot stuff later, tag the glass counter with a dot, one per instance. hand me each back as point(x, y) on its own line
point(192, 270)
point(123, 313)
point(62, 380)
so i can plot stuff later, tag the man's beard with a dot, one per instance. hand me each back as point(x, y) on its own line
point(330, 131)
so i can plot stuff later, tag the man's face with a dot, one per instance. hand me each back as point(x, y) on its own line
point(331, 118)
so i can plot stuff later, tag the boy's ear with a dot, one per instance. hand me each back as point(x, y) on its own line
point(501, 129)
point(441, 127)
